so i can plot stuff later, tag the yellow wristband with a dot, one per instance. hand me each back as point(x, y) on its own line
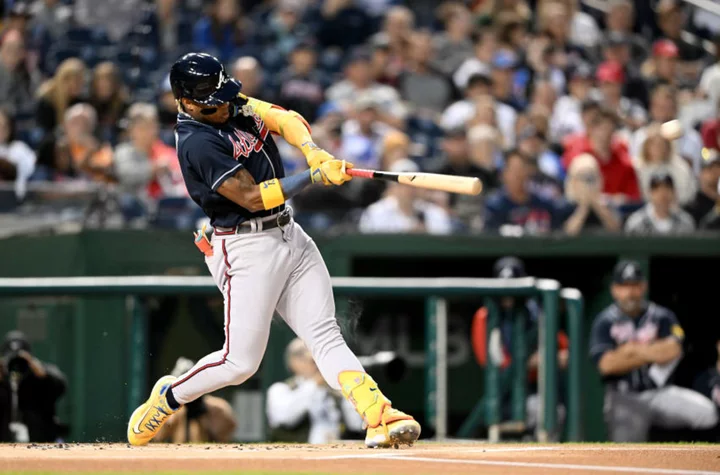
point(271, 193)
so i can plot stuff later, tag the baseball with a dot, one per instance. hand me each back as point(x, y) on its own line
point(671, 130)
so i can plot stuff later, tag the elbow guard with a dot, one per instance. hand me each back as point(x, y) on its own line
point(278, 119)
point(271, 193)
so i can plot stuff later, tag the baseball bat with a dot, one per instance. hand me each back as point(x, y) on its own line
point(432, 181)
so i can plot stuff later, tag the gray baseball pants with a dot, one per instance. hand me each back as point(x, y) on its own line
point(260, 273)
point(629, 415)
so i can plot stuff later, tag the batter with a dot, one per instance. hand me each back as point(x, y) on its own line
point(260, 259)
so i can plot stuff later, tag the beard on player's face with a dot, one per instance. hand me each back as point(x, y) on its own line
point(630, 297)
point(209, 114)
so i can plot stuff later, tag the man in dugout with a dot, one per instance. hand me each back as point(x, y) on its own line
point(636, 345)
point(501, 344)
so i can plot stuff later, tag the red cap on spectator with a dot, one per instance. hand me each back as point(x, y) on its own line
point(610, 71)
point(665, 49)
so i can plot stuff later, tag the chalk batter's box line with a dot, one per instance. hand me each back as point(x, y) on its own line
point(558, 466)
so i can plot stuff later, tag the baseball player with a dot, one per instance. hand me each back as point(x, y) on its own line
point(260, 259)
point(636, 345)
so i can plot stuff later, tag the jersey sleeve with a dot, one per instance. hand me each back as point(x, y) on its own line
point(211, 158)
point(600, 339)
point(668, 325)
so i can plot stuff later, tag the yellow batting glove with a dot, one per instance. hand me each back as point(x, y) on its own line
point(314, 155)
point(332, 172)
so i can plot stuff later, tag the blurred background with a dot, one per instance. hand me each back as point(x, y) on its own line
point(593, 125)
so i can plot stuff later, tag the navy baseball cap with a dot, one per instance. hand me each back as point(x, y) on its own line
point(509, 268)
point(659, 179)
point(582, 70)
point(628, 272)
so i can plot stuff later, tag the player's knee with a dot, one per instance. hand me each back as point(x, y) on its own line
point(707, 418)
point(241, 370)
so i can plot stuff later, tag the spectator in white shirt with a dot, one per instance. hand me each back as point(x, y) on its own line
point(304, 408)
point(458, 114)
point(359, 81)
point(567, 114)
point(658, 155)
point(17, 159)
point(584, 30)
point(403, 211)
point(663, 108)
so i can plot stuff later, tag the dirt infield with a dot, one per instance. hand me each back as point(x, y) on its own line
point(424, 458)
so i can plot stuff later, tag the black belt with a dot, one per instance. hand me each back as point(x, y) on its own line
point(256, 225)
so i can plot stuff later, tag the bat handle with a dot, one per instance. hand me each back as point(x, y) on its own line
point(360, 173)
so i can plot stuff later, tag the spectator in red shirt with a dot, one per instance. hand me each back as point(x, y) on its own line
point(710, 130)
point(620, 181)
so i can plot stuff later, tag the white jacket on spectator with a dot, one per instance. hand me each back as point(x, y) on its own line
point(677, 168)
point(384, 216)
point(459, 113)
point(689, 146)
point(287, 406)
point(23, 157)
point(566, 118)
point(344, 93)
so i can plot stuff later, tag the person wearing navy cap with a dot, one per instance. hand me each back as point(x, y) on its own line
point(636, 345)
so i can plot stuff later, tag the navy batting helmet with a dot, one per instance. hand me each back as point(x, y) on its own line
point(201, 78)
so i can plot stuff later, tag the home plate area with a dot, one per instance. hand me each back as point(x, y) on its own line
point(350, 458)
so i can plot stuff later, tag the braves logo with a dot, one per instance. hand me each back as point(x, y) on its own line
point(244, 142)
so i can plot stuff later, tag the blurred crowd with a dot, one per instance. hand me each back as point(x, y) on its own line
point(576, 118)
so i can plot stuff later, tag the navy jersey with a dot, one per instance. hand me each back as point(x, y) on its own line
point(209, 155)
point(538, 215)
point(613, 328)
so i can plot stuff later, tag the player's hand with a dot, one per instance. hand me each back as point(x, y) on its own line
point(332, 172)
point(314, 155)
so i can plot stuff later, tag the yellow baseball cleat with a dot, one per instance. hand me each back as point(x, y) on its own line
point(147, 419)
point(386, 427)
point(396, 428)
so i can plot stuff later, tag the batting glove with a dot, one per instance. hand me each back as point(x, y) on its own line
point(332, 172)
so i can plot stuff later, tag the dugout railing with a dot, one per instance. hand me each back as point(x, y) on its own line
point(435, 291)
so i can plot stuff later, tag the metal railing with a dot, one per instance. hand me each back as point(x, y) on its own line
point(434, 290)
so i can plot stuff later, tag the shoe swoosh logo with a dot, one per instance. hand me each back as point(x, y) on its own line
point(136, 429)
point(373, 389)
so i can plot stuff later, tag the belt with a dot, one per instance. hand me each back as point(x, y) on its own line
point(256, 225)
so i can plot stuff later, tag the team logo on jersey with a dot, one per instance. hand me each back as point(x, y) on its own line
point(622, 332)
point(647, 333)
point(244, 142)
